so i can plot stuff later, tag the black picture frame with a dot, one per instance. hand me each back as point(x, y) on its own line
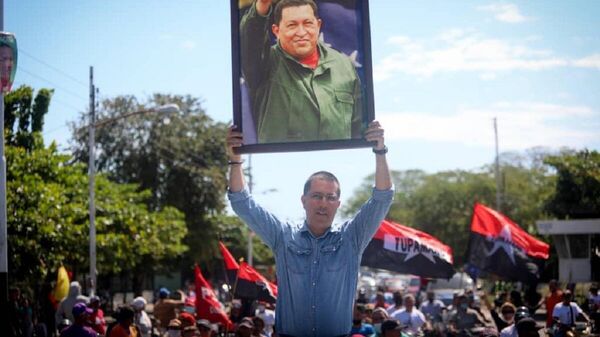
point(359, 17)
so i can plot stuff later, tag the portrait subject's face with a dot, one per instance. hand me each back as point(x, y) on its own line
point(298, 31)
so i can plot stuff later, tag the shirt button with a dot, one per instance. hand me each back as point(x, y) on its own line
point(315, 261)
point(313, 307)
point(314, 284)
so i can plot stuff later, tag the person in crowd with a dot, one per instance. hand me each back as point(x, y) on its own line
point(432, 307)
point(594, 307)
point(516, 299)
point(190, 331)
point(506, 316)
point(80, 313)
point(236, 314)
point(554, 297)
point(165, 309)
point(141, 318)
point(464, 318)
point(533, 299)
point(511, 330)
point(379, 315)
point(358, 324)
point(204, 327)
point(65, 306)
point(317, 263)
point(527, 327)
point(125, 326)
point(411, 318)
point(186, 319)
point(452, 307)
point(380, 300)
point(267, 315)
point(173, 328)
point(391, 328)
point(245, 328)
point(566, 313)
point(96, 318)
point(362, 296)
point(398, 298)
point(259, 327)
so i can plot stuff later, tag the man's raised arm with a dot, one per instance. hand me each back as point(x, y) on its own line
point(236, 175)
point(383, 179)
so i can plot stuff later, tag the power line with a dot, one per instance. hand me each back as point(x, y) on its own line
point(21, 51)
point(53, 84)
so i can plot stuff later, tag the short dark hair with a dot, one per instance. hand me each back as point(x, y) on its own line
point(321, 175)
point(282, 4)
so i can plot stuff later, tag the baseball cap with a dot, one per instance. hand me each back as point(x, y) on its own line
point(187, 319)
point(164, 292)
point(203, 323)
point(81, 308)
point(246, 324)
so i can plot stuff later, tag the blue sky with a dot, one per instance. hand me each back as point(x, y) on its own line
point(443, 70)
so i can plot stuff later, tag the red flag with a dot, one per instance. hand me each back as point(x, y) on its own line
point(207, 305)
point(406, 250)
point(251, 284)
point(500, 246)
point(231, 265)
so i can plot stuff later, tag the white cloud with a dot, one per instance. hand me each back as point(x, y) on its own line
point(459, 50)
point(521, 125)
point(592, 61)
point(508, 13)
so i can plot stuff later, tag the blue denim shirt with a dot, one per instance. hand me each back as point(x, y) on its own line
point(316, 276)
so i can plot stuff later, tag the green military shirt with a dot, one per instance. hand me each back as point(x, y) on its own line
point(292, 102)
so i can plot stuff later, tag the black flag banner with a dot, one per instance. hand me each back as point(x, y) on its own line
point(406, 250)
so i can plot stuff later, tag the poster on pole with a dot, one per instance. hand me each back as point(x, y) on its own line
point(302, 74)
point(8, 61)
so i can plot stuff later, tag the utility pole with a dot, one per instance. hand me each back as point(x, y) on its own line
point(497, 171)
point(92, 181)
point(250, 233)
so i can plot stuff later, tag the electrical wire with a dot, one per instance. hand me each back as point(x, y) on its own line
point(72, 78)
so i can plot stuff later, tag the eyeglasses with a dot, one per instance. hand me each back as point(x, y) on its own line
point(321, 196)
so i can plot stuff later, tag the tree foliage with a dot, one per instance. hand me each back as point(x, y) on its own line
point(577, 194)
point(180, 158)
point(48, 222)
point(28, 113)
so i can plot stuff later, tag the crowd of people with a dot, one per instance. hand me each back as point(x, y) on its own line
point(471, 313)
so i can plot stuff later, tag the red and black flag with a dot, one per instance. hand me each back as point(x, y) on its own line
point(406, 250)
point(498, 245)
point(246, 281)
point(207, 305)
point(231, 265)
point(251, 284)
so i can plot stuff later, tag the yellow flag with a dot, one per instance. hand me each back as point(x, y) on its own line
point(61, 289)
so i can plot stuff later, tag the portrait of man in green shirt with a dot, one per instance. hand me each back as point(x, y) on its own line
point(300, 89)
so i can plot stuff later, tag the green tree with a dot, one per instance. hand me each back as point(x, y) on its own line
point(577, 194)
point(179, 157)
point(48, 220)
point(18, 108)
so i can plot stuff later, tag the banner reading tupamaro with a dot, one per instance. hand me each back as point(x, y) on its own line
point(498, 245)
point(406, 250)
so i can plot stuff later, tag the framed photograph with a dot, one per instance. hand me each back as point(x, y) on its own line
point(302, 74)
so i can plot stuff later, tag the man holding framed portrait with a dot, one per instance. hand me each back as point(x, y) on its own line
point(300, 89)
